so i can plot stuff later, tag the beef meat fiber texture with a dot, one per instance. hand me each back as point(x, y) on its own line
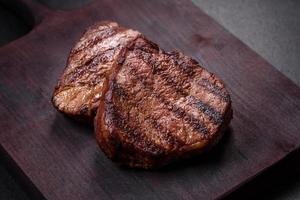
point(149, 107)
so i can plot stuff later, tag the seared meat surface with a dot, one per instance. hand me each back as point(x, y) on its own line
point(152, 106)
point(90, 62)
point(160, 107)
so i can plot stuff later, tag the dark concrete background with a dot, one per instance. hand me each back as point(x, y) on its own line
point(269, 27)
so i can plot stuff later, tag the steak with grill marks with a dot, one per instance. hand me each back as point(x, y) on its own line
point(160, 106)
point(90, 62)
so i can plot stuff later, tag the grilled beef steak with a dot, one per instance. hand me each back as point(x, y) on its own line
point(160, 107)
point(90, 62)
point(153, 106)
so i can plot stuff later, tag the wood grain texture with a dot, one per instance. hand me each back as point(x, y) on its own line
point(60, 157)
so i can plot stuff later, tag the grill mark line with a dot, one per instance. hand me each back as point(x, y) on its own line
point(80, 69)
point(189, 70)
point(108, 32)
point(135, 135)
point(179, 112)
point(167, 134)
point(214, 89)
point(213, 115)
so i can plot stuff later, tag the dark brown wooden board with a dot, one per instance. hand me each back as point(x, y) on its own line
point(58, 158)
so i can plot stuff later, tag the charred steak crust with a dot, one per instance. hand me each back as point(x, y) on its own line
point(152, 106)
point(160, 106)
point(90, 63)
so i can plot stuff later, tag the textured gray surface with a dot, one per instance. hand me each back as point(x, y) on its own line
point(269, 27)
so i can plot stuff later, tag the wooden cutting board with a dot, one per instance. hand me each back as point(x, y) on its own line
point(58, 158)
